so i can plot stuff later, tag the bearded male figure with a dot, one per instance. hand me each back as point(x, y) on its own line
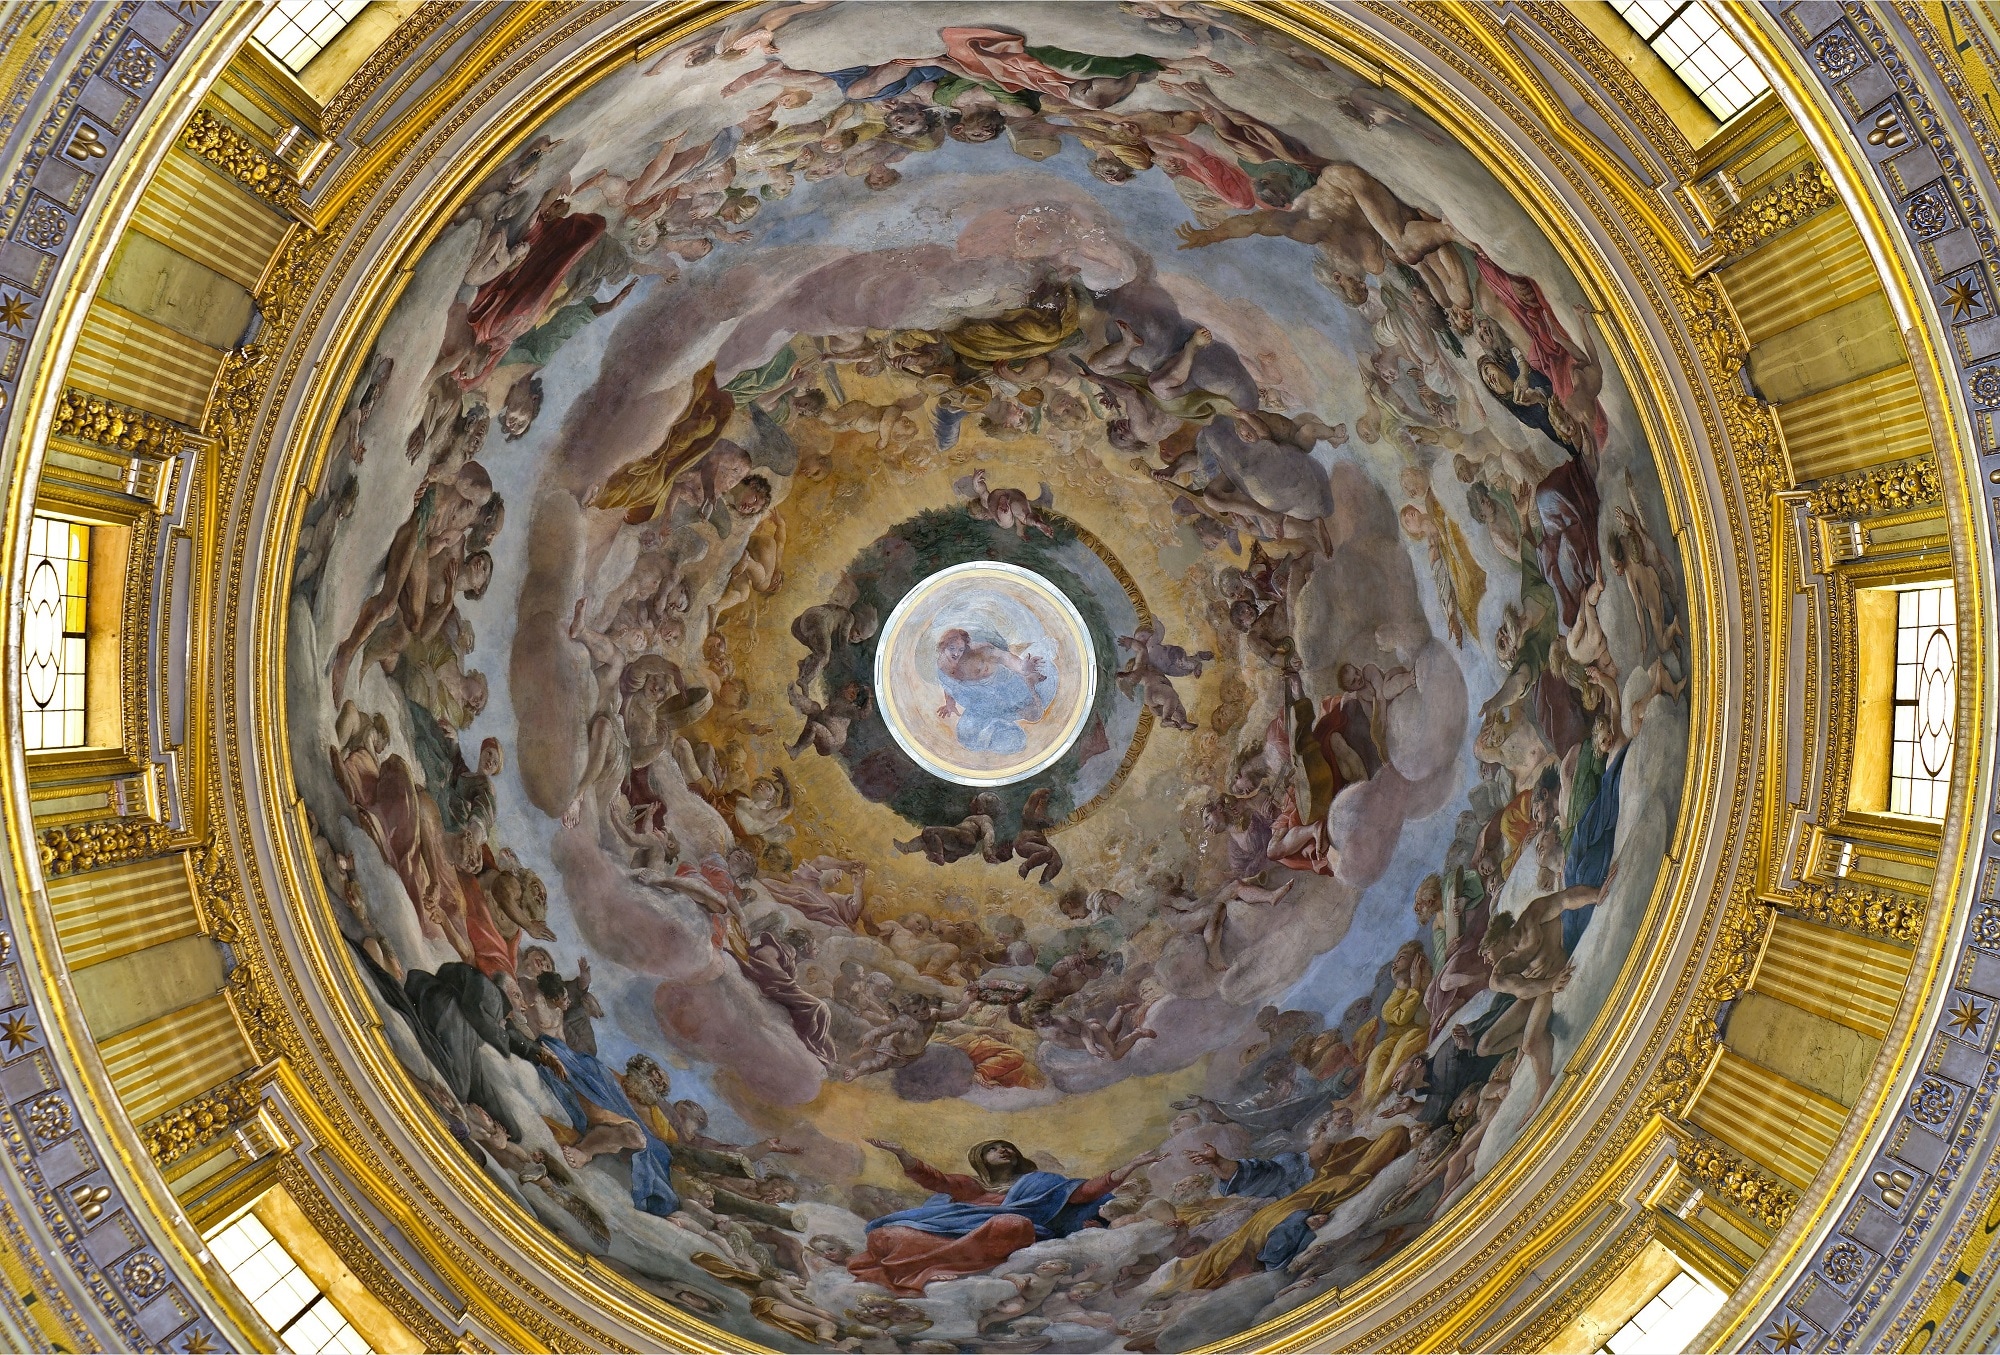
point(975, 1222)
point(990, 690)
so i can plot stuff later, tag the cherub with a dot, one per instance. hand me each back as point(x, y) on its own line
point(611, 650)
point(1531, 965)
point(1156, 690)
point(756, 570)
point(654, 582)
point(316, 537)
point(898, 1041)
point(1010, 509)
point(1364, 110)
point(918, 945)
point(1301, 434)
point(878, 1314)
point(1031, 1287)
point(1120, 1034)
point(827, 724)
point(762, 810)
point(1637, 560)
point(888, 423)
point(945, 843)
point(842, 617)
point(1167, 660)
point(1031, 844)
point(649, 844)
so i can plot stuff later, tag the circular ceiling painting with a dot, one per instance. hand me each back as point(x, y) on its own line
point(988, 678)
point(985, 673)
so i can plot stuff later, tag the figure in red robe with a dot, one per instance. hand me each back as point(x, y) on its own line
point(973, 1223)
point(511, 304)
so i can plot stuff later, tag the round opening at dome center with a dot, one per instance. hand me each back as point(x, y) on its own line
point(985, 673)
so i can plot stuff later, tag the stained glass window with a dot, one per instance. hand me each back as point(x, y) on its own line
point(1699, 50)
point(52, 641)
point(283, 1295)
point(1926, 701)
point(296, 31)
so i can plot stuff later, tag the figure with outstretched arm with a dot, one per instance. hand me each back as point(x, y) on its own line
point(1531, 965)
point(974, 1222)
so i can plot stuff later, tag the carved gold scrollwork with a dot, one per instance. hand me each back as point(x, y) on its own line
point(1777, 209)
point(1732, 960)
point(107, 842)
point(239, 157)
point(105, 423)
point(1739, 1184)
point(1890, 488)
point(206, 1118)
point(1878, 912)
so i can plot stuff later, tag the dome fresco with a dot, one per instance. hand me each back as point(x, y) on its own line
point(1136, 934)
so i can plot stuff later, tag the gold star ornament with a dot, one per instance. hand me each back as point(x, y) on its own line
point(1963, 294)
point(1787, 1336)
point(13, 311)
point(1968, 1016)
point(16, 1031)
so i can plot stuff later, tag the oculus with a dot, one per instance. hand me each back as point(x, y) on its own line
point(985, 673)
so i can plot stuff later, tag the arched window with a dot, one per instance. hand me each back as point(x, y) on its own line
point(54, 640)
point(1925, 704)
point(282, 1293)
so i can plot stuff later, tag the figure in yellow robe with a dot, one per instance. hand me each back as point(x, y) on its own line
point(1017, 335)
point(642, 487)
point(1348, 1167)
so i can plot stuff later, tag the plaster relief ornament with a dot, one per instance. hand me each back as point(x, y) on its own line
point(992, 680)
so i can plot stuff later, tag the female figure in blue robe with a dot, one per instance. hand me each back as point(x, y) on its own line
point(990, 690)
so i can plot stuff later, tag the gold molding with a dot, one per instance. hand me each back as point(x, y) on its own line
point(106, 423)
point(1586, 1288)
point(403, 39)
point(208, 1117)
point(82, 847)
point(1742, 1186)
point(1876, 490)
point(1807, 192)
point(1749, 449)
point(238, 157)
point(1858, 908)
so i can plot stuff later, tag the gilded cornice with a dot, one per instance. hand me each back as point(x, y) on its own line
point(1877, 490)
point(106, 842)
point(1808, 191)
point(1859, 908)
point(1726, 973)
point(1569, 1305)
point(237, 156)
point(383, 62)
point(1867, 101)
point(1740, 1185)
point(184, 1129)
point(106, 423)
point(81, 120)
point(1615, 79)
point(1749, 455)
